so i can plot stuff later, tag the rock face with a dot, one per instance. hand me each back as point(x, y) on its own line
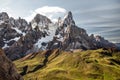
point(74, 37)
point(19, 38)
point(100, 42)
point(7, 68)
point(11, 30)
point(68, 36)
point(41, 21)
point(37, 29)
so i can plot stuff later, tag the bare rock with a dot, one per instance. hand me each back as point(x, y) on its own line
point(7, 68)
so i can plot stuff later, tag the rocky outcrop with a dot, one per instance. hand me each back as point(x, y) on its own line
point(69, 36)
point(4, 16)
point(11, 29)
point(100, 42)
point(41, 21)
point(7, 68)
point(26, 43)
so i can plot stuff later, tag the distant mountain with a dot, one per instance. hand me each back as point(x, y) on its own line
point(19, 38)
point(118, 45)
point(7, 68)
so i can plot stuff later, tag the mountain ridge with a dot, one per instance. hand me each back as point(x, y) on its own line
point(19, 38)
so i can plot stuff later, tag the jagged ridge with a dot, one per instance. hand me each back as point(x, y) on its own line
point(18, 38)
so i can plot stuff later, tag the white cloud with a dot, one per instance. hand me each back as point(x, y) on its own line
point(47, 9)
point(52, 12)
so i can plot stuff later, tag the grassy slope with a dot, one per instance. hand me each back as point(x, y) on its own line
point(86, 65)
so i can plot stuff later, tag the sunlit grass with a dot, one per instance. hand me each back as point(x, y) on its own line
point(82, 65)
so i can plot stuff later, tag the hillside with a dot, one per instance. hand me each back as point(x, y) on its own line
point(75, 65)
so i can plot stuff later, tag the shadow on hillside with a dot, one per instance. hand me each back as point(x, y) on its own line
point(48, 53)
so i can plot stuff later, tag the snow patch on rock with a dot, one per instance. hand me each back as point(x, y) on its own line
point(19, 31)
point(5, 46)
point(46, 39)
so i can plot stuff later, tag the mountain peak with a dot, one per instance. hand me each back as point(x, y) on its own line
point(69, 14)
point(68, 19)
point(41, 21)
point(37, 15)
point(4, 16)
point(41, 18)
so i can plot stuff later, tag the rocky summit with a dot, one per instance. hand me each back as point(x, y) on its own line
point(19, 38)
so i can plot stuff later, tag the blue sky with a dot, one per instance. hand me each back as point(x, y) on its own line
point(96, 16)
